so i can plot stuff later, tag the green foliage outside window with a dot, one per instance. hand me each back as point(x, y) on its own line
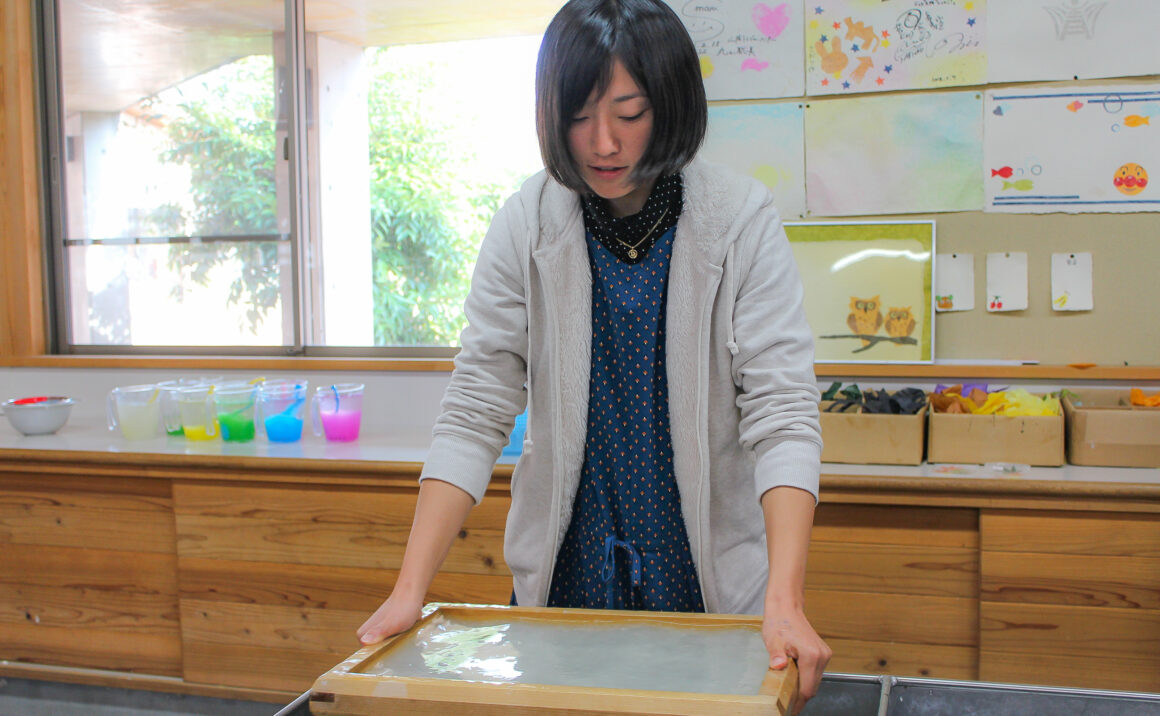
point(426, 224)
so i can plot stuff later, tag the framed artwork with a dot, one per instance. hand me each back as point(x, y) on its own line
point(868, 294)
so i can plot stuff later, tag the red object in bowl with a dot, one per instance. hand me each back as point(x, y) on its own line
point(37, 399)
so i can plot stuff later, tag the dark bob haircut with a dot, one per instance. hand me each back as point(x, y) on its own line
point(577, 56)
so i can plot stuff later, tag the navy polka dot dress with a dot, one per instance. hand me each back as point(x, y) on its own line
point(626, 546)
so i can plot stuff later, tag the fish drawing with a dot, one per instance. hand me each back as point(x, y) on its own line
point(1075, 106)
point(1020, 185)
point(1135, 120)
point(1005, 172)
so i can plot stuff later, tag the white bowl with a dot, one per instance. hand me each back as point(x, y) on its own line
point(38, 416)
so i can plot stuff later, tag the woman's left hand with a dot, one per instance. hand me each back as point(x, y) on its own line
point(788, 635)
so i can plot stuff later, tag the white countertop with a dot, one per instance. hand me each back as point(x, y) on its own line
point(89, 435)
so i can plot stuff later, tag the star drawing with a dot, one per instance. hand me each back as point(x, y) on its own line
point(971, 21)
point(818, 10)
point(845, 85)
point(889, 68)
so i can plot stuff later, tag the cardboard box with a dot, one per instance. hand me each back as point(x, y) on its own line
point(1106, 429)
point(1033, 440)
point(873, 438)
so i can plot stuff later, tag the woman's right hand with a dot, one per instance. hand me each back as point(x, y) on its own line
point(397, 614)
point(439, 515)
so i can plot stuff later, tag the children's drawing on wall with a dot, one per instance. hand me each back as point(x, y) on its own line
point(1071, 281)
point(954, 282)
point(1088, 149)
point(1006, 281)
point(1066, 39)
point(879, 45)
point(896, 154)
point(749, 49)
point(766, 142)
point(867, 289)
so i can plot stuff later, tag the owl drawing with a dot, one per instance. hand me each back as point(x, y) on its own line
point(899, 322)
point(866, 318)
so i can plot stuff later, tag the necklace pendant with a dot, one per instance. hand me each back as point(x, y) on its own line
point(632, 253)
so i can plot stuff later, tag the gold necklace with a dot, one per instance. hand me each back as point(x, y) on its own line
point(632, 247)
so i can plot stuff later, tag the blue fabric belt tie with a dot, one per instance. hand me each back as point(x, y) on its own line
point(608, 571)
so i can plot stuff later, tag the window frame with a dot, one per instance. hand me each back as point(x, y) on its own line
point(45, 32)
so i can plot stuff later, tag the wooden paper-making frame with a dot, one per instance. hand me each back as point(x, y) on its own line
point(344, 691)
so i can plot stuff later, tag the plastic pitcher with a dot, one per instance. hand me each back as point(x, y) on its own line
point(136, 410)
point(281, 408)
point(198, 418)
point(170, 414)
point(336, 411)
point(234, 404)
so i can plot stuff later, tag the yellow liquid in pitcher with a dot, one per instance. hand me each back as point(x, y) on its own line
point(198, 432)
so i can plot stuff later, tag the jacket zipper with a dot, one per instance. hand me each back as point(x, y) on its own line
point(557, 459)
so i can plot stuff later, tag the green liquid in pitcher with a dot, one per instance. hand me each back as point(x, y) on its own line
point(236, 428)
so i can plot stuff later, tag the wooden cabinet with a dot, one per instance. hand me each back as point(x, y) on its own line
point(275, 579)
point(249, 576)
point(1070, 599)
point(88, 573)
point(894, 590)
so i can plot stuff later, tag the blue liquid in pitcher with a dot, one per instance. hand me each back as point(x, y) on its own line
point(283, 428)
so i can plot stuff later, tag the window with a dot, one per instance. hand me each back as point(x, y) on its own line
point(280, 177)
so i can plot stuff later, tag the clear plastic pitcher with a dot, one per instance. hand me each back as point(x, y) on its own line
point(281, 409)
point(198, 418)
point(170, 413)
point(336, 411)
point(136, 410)
point(234, 405)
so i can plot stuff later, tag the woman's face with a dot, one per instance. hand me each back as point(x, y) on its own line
point(608, 137)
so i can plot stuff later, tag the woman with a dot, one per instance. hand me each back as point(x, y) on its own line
point(646, 307)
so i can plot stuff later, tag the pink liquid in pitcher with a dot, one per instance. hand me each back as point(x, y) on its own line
point(341, 426)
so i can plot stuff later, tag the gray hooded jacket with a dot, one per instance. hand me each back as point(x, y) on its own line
point(743, 400)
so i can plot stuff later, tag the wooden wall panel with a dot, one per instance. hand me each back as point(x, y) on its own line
point(116, 514)
point(1075, 579)
point(1122, 672)
point(1100, 533)
point(88, 574)
point(856, 656)
point(894, 590)
point(324, 587)
point(1095, 647)
point(348, 528)
point(891, 524)
point(275, 580)
point(22, 306)
point(901, 618)
point(1070, 599)
point(1095, 631)
point(290, 670)
point(894, 569)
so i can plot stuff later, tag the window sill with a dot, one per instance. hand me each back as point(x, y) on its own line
point(201, 362)
point(956, 371)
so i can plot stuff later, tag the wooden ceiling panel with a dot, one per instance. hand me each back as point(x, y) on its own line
point(116, 52)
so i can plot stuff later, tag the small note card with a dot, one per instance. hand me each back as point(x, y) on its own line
point(1007, 281)
point(954, 282)
point(1071, 281)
